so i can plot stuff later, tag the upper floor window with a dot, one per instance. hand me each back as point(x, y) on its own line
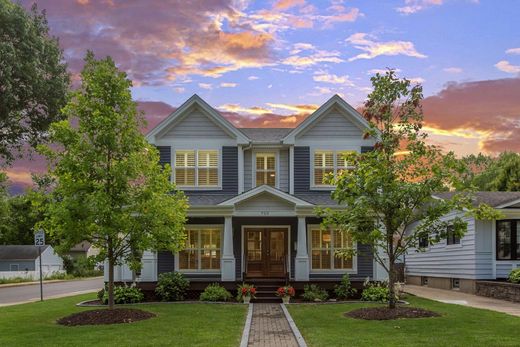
point(328, 162)
point(325, 243)
point(266, 169)
point(508, 240)
point(451, 238)
point(196, 168)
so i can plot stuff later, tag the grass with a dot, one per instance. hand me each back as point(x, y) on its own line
point(34, 324)
point(325, 325)
point(54, 276)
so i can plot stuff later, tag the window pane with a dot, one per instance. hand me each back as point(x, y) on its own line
point(185, 177)
point(326, 241)
point(185, 159)
point(324, 159)
point(188, 260)
point(208, 177)
point(504, 240)
point(270, 162)
point(208, 159)
point(271, 179)
point(342, 263)
point(315, 238)
point(260, 162)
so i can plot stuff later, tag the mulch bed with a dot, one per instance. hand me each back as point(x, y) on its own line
point(105, 316)
point(385, 313)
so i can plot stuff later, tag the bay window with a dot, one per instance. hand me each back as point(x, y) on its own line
point(324, 244)
point(202, 250)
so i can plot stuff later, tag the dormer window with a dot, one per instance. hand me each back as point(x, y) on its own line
point(266, 169)
point(328, 162)
point(197, 168)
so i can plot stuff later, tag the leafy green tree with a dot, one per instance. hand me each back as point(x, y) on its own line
point(390, 189)
point(33, 78)
point(488, 173)
point(109, 188)
point(4, 208)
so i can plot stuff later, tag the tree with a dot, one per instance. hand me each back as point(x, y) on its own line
point(487, 173)
point(109, 187)
point(33, 78)
point(390, 189)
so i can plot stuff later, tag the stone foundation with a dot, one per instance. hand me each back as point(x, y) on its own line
point(499, 290)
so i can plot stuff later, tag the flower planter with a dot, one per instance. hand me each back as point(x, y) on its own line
point(246, 299)
point(286, 299)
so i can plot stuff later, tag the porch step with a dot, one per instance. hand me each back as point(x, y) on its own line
point(266, 289)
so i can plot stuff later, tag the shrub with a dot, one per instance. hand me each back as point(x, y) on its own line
point(514, 276)
point(214, 292)
point(314, 293)
point(344, 290)
point(172, 286)
point(125, 295)
point(375, 292)
point(101, 294)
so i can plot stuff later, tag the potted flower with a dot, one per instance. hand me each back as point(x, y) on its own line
point(285, 293)
point(246, 292)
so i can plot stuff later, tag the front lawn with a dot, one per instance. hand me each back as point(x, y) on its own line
point(175, 325)
point(325, 325)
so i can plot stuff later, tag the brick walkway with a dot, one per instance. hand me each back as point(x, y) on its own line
point(269, 328)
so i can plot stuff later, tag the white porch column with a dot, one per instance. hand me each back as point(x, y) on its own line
point(302, 256)
point(228, 258)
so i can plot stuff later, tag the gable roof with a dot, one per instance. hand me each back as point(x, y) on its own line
point(265, 189)
point(214, 115)
point(493, 199)
point(268, 135)
point(20, 252)
point(354, 116)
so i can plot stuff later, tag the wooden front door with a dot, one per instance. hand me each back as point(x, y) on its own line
point(266, 252)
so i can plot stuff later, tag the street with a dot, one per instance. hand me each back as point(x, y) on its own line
point(27, 293)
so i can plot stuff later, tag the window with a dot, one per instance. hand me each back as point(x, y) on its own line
point(196, 168)
point(451, 238)
point(327, 163)
point(266, 169)
point(508, 240)
point(202, 252)
point(424, 281)
point(13, 267)
point(324, 245)
point(423, 242)
point(455, 283)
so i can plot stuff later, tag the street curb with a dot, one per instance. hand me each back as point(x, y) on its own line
point(247, 327)
point(22, 284)
point(299, 338)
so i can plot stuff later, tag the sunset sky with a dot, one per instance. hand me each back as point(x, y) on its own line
point(270, 63)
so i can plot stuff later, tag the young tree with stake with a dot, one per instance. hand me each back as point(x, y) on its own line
point(391, 188)
point(109, 187)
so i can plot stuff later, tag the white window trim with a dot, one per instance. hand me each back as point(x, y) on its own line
point(201, 227)
point(315, 186)
point(276, 153)
point(353, 270)
point(196, 186)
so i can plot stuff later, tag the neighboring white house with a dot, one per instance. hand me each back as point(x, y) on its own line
point(24, 261)
point(489, 250)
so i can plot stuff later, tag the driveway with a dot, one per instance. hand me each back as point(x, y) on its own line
point(31, 292)
point(456, 297)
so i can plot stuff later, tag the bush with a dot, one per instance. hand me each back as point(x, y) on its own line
point(514, 276)
point(375, 292)
point(344, 290)
point(172, 286)
point(81, 267)
point(124, 295)
point(314, 293)
point(214, 292)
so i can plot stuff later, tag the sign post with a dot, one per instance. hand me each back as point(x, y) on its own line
point(39, 240)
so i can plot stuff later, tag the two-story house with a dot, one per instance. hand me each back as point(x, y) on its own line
point(253, 193)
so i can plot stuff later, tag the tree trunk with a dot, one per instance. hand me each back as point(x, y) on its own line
point(110, 278)
point(391, 283)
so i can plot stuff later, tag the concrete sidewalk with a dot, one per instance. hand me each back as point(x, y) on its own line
point(456, 297)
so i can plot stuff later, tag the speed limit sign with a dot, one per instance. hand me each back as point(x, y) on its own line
point(39, 238)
